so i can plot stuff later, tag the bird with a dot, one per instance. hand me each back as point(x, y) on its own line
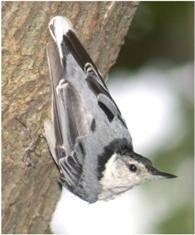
point(87, 135)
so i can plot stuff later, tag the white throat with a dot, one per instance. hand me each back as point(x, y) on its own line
point(111, 183)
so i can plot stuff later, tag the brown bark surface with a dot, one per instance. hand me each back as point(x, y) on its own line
point(30, 192)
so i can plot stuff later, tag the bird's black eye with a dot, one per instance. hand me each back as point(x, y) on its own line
point(132, 168)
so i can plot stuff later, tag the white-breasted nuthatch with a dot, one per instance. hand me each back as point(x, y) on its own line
point(87, 136)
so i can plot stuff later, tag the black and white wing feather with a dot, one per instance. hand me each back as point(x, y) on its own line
point(85, 119)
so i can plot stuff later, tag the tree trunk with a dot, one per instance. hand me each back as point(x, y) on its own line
point(29, 175)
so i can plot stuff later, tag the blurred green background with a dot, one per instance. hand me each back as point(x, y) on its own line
point(162, 35)
point(159, 31)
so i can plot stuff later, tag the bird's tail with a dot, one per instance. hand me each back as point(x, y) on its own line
point(67, 42)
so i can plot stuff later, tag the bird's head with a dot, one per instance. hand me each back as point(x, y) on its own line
point(125, 170)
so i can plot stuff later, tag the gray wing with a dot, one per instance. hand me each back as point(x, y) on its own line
point(86, 121)
point(66, 124)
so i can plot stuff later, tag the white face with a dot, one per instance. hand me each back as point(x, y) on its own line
point(122, 173)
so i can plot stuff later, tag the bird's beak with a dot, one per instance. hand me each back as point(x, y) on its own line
point(153, 171)
point(156, 172)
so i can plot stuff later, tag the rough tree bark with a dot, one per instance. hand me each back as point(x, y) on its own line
point(31, 192)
